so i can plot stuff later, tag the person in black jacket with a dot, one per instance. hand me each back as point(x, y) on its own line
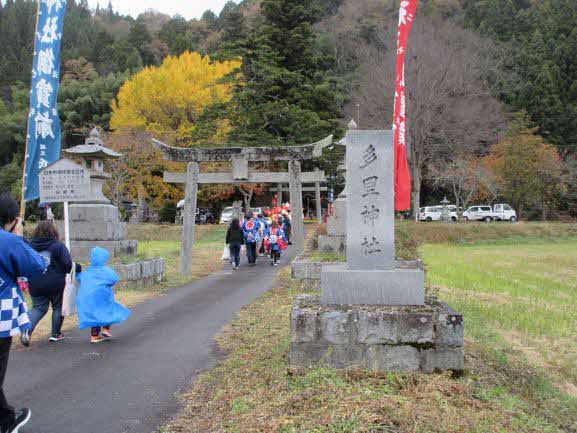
point(235, 240)
point(48, 288)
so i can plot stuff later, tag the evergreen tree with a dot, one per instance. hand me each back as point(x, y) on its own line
point(287, 95)
point(210, 18)
point(140, 38)
point(176, 34)
point(232, 23)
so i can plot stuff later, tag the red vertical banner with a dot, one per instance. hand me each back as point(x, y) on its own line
point(402, 175)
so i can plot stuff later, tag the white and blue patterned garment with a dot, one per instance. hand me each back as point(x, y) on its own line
point(17, 259)
point(13, 314)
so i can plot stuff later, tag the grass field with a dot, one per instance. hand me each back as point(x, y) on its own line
point(524, 292)
point(159, 241)
point(517, 290)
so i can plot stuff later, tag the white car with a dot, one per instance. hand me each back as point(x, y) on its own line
point(227, 215)
point(433, 213)
point(479, 213)
point(504, 212)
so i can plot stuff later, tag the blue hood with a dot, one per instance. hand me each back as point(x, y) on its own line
point(98, 256)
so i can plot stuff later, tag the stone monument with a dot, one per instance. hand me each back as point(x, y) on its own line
point(335, 239)
point(96, 222)
point(372, 312)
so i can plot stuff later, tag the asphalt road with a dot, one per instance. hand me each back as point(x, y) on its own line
point(129, 384)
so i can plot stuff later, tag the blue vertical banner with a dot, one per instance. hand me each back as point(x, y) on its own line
point(44, 138)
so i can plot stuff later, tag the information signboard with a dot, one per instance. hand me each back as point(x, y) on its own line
point(64, 181)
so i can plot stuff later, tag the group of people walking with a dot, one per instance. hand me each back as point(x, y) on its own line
point(41, 266)
point(261, 235)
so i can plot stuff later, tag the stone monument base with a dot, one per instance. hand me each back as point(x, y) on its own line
point(80, 250)
point(332, 244)
point(404, 285)
point(426, 339)
point(92, 225)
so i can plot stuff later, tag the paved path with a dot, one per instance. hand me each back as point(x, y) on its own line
point(129, 384)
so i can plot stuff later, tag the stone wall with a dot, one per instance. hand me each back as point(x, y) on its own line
point(427, 339)
point(144, 273)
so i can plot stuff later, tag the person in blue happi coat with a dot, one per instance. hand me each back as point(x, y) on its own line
point(276, 242)
point(95, 302)
point(17, 259)
point(252, 235)
point(264, 226)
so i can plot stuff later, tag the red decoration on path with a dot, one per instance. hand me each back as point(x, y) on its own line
point(402, 174)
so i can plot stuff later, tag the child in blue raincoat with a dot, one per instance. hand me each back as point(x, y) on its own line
point(95, 302)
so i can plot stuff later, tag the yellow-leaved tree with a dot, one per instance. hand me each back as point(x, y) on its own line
point(183, 99)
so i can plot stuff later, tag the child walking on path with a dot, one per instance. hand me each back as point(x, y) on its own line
point(276, 242)
point(95, 302)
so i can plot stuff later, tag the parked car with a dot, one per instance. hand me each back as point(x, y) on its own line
point(204, 216)
point(504, 212)
point(227, 215)
point(434, 213)
point(478, 213)
point(499, 212)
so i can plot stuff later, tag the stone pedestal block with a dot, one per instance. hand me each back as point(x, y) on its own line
point(93, 212)
point(337, 222)
point(303, 269)
point(379, 338)
point(80, 250)
point(332, 244)
point(98, 231)
point(94, 225)
point(399, 286)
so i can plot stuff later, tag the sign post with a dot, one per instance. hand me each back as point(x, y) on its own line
point(62, 182)
point(66, 226)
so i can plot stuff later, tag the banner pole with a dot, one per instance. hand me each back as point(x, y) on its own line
point(23, 190)
point(66, 226)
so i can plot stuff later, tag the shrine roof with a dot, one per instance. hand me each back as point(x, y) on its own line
point(224, 154)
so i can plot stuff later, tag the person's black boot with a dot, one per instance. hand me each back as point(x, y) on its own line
point(21, 417)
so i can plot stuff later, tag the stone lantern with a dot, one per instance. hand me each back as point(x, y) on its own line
point(96, 221)
point(445, 215)
point(92, 155)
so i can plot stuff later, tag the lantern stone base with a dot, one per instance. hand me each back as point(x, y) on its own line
point(426, 338)
point(96, 224)
point(335, 244)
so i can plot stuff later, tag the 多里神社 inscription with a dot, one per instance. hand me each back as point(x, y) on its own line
point(370, 224)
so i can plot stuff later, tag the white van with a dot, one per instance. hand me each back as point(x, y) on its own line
point(478, 213)
point(433, 213)
point(499, 212)
point(504, 212)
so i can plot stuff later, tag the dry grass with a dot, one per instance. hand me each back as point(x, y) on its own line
point(482, 232)
point(254, 390)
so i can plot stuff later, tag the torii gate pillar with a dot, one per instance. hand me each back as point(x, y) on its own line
point(296, 201)
point(189, 220)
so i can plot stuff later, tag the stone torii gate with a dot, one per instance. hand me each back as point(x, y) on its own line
point(240, 173)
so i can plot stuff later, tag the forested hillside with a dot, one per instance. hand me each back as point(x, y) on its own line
point(479, 73)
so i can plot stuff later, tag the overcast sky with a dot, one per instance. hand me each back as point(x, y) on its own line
point(186, 8)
